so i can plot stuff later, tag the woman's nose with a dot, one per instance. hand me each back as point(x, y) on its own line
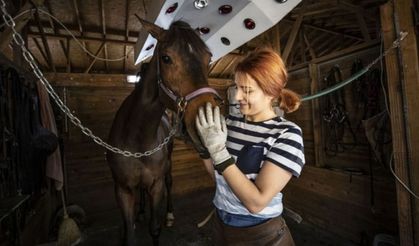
point(239, 95)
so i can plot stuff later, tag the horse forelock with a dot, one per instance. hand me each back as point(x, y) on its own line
point(185, 39)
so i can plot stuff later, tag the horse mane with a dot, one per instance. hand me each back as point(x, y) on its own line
point(182, 34)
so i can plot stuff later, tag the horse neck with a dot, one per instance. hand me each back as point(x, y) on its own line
point(149, 109)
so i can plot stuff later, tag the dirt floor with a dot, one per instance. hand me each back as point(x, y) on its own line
point(106, 228)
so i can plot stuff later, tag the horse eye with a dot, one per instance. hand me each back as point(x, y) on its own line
point(166, 59)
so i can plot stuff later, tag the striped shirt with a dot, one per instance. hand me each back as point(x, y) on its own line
point(251, 143)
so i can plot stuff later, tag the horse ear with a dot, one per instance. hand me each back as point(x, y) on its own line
point(153, 29)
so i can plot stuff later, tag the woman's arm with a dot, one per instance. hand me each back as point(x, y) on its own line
point(209, 167)
point(256, 196)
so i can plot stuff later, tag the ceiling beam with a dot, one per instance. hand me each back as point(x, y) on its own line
point(310, 49)
point(83, 39)
point(80, 27)
point(103, 23)
point(95, 58)
point(290, 43)
point(87, 30)
point(54, 28)
point(340, 53)
point(41, 51)
point(324, 29)
point(45, 43)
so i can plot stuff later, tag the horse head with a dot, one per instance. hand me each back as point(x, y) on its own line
point(182, 65)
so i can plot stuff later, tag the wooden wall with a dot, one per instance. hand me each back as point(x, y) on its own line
point(354, 205)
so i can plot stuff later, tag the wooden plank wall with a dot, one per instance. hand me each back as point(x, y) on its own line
point(325, 194)
point(95, 100)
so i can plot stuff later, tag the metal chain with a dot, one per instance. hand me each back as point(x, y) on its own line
point(17, 38)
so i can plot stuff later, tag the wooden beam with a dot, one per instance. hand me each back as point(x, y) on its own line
point(62, 44)
point(68, 66)
point(80, 27)
point(347, 51)
point(226, 68)
point(302, 45)
point(45, 43)
point(103, 21)
point(95, 58)
point(405, 22)
point(127, 2)
point(90, 30)
point(83, 39)
point(323, 29)
point(400, 157)
point(292, 37)
point(310, 49)
point(316, 115)
point(363, 26)
point(38, 45)
point(107, 80)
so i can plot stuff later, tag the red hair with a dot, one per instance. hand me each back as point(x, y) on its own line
point(267, 68)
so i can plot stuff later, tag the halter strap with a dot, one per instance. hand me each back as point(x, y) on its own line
point(182, 100)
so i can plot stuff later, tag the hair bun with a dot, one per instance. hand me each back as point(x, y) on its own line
point(290, 101)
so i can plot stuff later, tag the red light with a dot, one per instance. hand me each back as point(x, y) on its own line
point(171, 9)
point(225, 9)
point(149, 47)
point(249, 24)
point(204, 30)
point(225, 41)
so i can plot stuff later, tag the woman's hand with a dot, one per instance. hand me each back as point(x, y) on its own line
point(212, 129)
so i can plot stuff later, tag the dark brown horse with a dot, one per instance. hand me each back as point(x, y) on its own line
point(176, 78)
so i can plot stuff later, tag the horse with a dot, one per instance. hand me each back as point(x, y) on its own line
point(176, 79)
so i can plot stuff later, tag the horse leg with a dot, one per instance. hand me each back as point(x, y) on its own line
point(156, 197)
point(126, 201)
point(170, 218)
point(141, 209)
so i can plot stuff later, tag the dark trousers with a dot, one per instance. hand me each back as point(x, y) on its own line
point(273, 232)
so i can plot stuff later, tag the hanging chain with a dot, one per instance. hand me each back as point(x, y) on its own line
point(17, 38)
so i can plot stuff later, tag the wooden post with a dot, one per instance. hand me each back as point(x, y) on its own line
point(409, 58)
point(315, 109)
point(402, 104)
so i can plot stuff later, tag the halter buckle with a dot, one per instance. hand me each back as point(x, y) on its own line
point(181, 104)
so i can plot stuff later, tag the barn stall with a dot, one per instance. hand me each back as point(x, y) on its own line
point(359, 185)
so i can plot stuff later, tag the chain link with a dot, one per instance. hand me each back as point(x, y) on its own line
point(17, 38)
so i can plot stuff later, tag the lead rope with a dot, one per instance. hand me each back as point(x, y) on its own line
point(17, 38)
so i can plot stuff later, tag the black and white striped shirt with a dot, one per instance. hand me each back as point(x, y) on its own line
point(251, 143)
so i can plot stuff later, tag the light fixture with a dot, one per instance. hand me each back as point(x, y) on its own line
point(225, 41)
point(249, 23)
point(133, 78)
point(225, 9)
point(172, 8)
point(200, 4)
point(203, 30)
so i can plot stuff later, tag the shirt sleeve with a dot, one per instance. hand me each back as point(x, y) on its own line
point(288, 151)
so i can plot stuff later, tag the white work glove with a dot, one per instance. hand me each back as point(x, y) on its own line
point(212, 129)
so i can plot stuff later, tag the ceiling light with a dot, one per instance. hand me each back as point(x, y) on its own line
point(225, 9)
point(200, 4)
point(249, 24)
point(133, 78)
point(172, 8)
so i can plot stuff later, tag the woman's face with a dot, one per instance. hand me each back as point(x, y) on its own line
point(254, 104)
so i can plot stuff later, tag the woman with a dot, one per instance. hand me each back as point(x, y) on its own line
point(253, 157)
